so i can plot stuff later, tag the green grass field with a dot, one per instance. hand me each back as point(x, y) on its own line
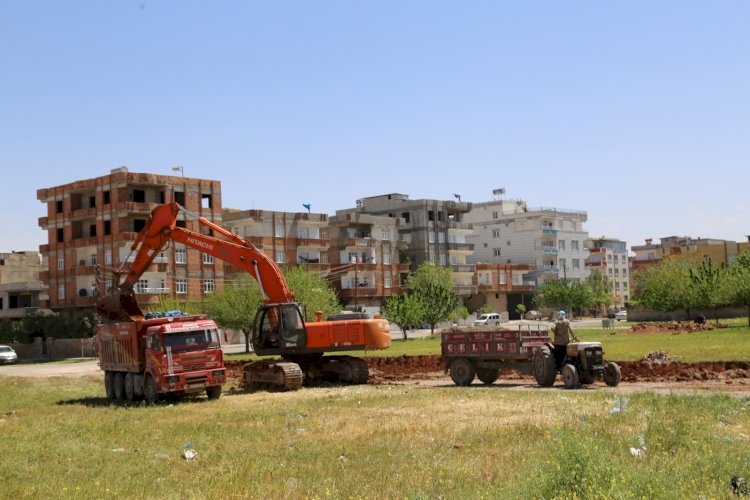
point(62, 440)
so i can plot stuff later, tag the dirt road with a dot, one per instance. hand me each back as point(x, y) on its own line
point(53, 369)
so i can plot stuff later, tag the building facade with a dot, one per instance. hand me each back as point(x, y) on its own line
point(721, 252)
point(610, 257)
point(92, 223)
point(502, 287)
point(433, 230)
point(550, 239)
point(21, 288)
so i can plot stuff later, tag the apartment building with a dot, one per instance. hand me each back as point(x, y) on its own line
point(550, 239)
point(365, 256)
point(718, 251)
point(502, 287)
point(21, 288)
point(610, 257)
point(92, 223)
point(288, 238)
point(433, 230)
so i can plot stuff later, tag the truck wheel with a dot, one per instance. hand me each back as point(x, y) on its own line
point(149, 390)
point(119, 386)
point(213, 392)
point(129, 387)
point(570, 376)
point(544, 367)
point(612, 374)
point(462, 371)
point(488, 375)
point(109, 384)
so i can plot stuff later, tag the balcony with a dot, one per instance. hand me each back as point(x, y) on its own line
point(461, 247)
point(135, 207)
point(322, 218)
point(550, 251)
point(551, 270)
point(463, 268)
point(83, 213)
point(312, 242)
point(549, 232)
point(459, 225)
point(465, 289)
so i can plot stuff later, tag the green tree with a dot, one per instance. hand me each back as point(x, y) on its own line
point(668, 287)
point(520, 310)
point(709, 283)
point(432, 285)
point(463, 313)
point(235, 305)
point(313, 292)
point(601, 291)
point(484, 309)
point(738, 282)
point(404, 311)
point(564, 294)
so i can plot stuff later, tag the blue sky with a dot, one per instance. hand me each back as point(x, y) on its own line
point(636, 112)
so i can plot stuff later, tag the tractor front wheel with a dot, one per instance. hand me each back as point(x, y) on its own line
point(612, 374)
point(570, 376)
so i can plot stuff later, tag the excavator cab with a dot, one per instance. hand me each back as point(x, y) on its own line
point(279, 326)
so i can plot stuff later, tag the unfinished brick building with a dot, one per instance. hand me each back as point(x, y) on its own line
point(94, 222)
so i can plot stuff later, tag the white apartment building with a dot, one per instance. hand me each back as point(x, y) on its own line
point(551, 239)
point(610, 257)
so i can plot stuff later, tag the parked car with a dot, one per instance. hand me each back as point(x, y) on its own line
point(621, 315)
point(488, 319)
point(537, 315)
point(7, 355)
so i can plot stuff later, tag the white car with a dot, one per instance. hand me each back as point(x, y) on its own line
point(7, 355)
point(621, 315)
point(488, 319)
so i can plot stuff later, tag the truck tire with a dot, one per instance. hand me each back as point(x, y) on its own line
point(119, 386)
point(570, 376)
point(129, 387)
point(612, 374)
point(488, 375)
point(462, 372)
point(544, 367)
point(109, 384)
point(149, 390)
point(213, 392)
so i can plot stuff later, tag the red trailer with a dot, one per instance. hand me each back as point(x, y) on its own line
point(152, 357)
point(484, 351)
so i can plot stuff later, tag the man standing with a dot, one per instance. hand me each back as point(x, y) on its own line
point(563, 334)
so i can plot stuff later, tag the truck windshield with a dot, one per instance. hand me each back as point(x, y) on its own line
point(193, 340)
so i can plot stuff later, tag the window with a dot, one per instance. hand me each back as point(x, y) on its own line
point(206, 200)
point(60, 263)
point(501, 278)
point(494, 215)
point(179, 197)
point(507, 243)
point(141, 286)
point(180, 285)
point(496, 252)
point(430, 215)
point(60, 234)
point(107, 227)
point(59, 206)
point(208, 258)
point(138, 195)
point(431, 237)
point(105, 196)
point(93, 259)
point(180, 256)
point(108, 257)
point(387, 282)
point(386, 258)
point(92, 230)
point(385, 234)
point(138, 224)
point(443, 260)
point(61, 291)
point(563, 263)
point(280, 257)
point(279, 231)
point(561, 244)
point(574, 245)
point(609, 258)
point(576, 263)
point(441, 237)
point(617, 273)
point(92, 201)
point(209, 286)
point(495, 233)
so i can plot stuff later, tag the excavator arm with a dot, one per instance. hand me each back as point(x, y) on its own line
point(160, 229)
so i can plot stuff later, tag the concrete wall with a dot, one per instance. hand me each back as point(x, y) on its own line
point(649, 315)
point(55, 349)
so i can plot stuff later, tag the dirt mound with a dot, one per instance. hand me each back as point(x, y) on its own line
point(673, 327)
point(657, 358)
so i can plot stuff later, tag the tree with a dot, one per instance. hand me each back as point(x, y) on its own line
point(520, 310)
point(432, 285)
point(564, 294)
point(601, 290)
point(235, 305)
point(463, 313)
point(403, 310)
point(313, 292)
point(668, 287)
point(486, 308)
point(709, 282)
point(738, 282)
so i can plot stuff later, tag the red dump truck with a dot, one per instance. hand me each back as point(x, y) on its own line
point(149, 358)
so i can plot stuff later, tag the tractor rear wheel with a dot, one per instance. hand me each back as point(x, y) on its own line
point(544, 367)
point(612, 374)
point(488, 375)
point(462, 371)
point(570, 376)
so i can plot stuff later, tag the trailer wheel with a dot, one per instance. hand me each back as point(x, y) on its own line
point(129, 387)
point(488, 375)
point(544, 367)
point(119, 386)
point(213, 392)
point(570, 376)
point(149, 390)
point(462, 371)
point(612, 374)
point(109, 384)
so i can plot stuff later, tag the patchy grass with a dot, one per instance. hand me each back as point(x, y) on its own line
point(371, 441)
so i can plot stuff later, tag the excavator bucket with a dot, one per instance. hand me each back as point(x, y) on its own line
point(119, 305)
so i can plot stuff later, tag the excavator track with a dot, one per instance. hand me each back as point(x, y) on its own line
point(279, 375)
point(341, 369)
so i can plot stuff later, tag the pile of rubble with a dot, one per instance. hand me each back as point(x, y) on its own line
point(656, 358)
point(674, 327)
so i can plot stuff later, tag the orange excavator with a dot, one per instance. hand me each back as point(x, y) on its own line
point(279, 328)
